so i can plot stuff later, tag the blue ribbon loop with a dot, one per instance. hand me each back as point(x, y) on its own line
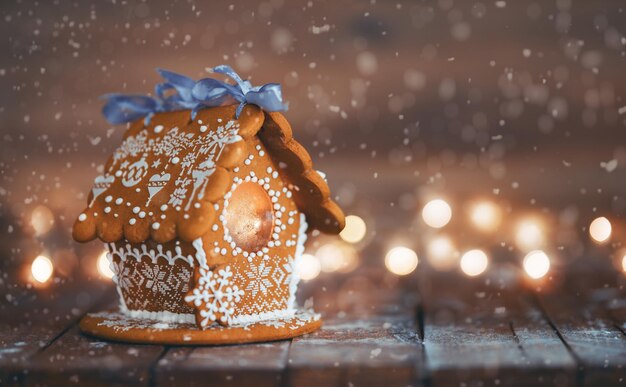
point(189, 94)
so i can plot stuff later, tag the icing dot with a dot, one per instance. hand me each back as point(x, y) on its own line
point(156, 226)
point(119, 201)
point(108, 199)
point(158, 129)
point(136, 210)
point(132, 221)
point(137, 189)
point(261, 153)
point(142, 214)
point(223, 251)
point(196, 205)
point(203, 128)
point(118, 173)
point(82, 217)
point(107, 210)
point(214, 227)
point(164, 207)
point(175, 160)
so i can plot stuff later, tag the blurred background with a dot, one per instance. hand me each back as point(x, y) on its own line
point(476, 140)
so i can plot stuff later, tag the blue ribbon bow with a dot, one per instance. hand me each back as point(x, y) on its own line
point(189, 94)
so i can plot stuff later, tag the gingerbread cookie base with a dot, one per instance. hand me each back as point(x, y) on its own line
point(116, 326)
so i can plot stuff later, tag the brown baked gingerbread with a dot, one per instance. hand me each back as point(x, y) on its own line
point(205, 219)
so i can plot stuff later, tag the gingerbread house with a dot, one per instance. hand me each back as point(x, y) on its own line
point(205, 219)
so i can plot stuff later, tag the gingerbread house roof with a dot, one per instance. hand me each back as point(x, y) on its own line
point(141, 197)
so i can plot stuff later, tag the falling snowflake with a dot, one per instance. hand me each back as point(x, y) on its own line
point(214, 296)
point(259, 281)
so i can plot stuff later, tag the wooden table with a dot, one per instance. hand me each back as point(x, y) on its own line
point(430, 329)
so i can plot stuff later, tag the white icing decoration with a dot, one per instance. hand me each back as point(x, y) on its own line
point(101, 184)
point(136, 253)
point(82, 217)
point(215, 294)
point(135, 173)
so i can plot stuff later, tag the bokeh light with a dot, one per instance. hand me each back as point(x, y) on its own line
point(355, 229)
point(624, 263)
point(442, 254)
point(401, 260)
point(600, 229)
point(42, 220)
point(42, 269)
point(104, 267)
point(529, 234)
point(485, 216)
point(437, 213)
point(474, 262)
point(308, 267)
point(337, 256)
point(536, 264)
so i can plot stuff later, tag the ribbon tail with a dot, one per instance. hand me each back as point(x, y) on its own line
point(240, 109)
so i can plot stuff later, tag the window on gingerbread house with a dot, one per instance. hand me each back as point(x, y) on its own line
point(249, 217)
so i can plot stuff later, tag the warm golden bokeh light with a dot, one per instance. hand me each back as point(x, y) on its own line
point(529, 234)
point(104, 267)
point(401, 260)
point(337, 256)
point(600, 229)
point(437, 213)
point(486, 216)
point(42, 269)
point(624, 263)
point(42, 220)
point(308, 267)
point(474, 262)
point(355, 229)
point(442, 254)
point(536, 264)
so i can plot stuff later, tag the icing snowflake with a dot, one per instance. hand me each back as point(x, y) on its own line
point(259, 281)
point(214, 296)
point(154, 279)
point(122, 275)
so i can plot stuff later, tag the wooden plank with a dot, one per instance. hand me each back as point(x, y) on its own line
point(487, 332)
point(578, 310)
point(237, 365)
point(80, 360)
point(38, 322)
point(360, 349)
